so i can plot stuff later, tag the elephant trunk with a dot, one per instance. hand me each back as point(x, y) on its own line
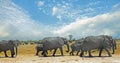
point(67, 48)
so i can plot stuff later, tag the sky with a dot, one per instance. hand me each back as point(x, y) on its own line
point(36, 19)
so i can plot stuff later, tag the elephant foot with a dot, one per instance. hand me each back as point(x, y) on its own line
point(12, 56)
point(70, 53)
point(36, 54)
point(6, 56)
point(113, 53)
point(42, 53)
point(67, 51)
point(81, 55)
point(53, 55)
point(45, 55)
point(90, 56)
point(62, 55)
point(110, 55)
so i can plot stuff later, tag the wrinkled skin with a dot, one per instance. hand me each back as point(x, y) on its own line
point(50, 43)
point(76, 46)
point(38, 49)
point(95, 42)
point(8, 45)
point(112, 42)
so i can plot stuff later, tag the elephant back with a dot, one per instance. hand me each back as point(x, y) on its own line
point(52, 42)
point(6, 45)
point(92, 42)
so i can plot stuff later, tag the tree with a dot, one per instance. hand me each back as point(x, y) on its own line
point(70, 37)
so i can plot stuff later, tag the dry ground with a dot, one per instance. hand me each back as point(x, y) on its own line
point(26, 54)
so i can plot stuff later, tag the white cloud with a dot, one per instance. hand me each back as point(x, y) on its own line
point(94, 3)
point(101, 24)
point(88, 9)
point(59, 17)
point(116, 5)
point(54, 10)
point(40, 3)
point(15, 23)
point(3, 32)
point(61, 11)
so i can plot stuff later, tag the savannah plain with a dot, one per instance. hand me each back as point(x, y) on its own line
point(26, 54)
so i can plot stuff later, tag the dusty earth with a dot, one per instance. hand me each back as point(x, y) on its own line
point(60, 59)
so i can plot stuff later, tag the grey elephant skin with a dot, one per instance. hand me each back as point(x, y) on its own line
point(50, 43)
point(39, 48)
point(75, 47)
point(112, 42)
point(8, 45)
point(96, 42)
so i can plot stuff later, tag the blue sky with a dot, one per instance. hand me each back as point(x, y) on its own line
point(41, 10)
point(36, 19)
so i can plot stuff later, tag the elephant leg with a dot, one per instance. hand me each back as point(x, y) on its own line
point(108, 52)
point(81, 54)
point(5, 54)
point(89, 53)
point(37, 52)
point(12, 52)
point(71, 53)
point(54, 52)
point(77, 52)
point(44, 54)
point(113, 49)
point(100, 52)
point(61, 50)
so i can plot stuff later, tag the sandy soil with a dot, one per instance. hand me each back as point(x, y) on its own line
point(60, 59)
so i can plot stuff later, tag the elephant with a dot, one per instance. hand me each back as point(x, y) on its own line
point(50, 43)
point(75, 47)
point(8, 45)
point(95, 42)
point(39, 48)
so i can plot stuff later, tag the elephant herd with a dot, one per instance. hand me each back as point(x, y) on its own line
point(82, 45)
point(86, 44)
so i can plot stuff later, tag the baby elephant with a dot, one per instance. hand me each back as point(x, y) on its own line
point(39, 48)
